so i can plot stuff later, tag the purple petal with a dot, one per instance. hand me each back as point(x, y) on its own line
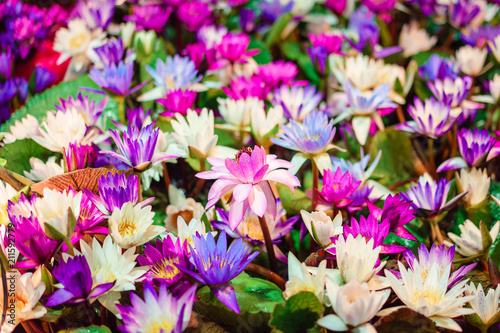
point(101, 289)
point(59, 297)
point(452, 163)
point(227, 296)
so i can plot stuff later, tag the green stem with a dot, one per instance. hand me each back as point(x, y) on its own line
point(432, 162)
point(315, 173)
point(201, 182)
point(273, 264)
point(121, 109)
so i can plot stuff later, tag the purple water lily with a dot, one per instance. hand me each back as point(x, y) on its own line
point(96, 13)
point(78, 156)
point(439, 68)
point(233, 49)
point(476, 148)
point(89, 220)
point(91, 111)
point(6, 63)
point(115, 78)
point(174, 73)
point(278, 72)
point(150, 17)
point(463, 12)
point(217, 265)
point(297, 101)
point(112, 52)
point(76, 278)
point(43, 78)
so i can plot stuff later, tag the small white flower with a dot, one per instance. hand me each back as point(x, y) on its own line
point(6, 193)
point(28, 291)
point(77, 42)
point(414, 40)
point(127, 31)
point(186, 231)
point(321, 227)
point(471, 59)
point(495, 47)
point(301, 280)
point(363, 72)
point(25, 128)
point(476, 183)
point(54, 209)
point(354, 304)
point(485, 305)
point(62, 128)
point(42, 171)
point(132, 225)
point(147, 38)
point(495, 87)
point(470, 242)
point(236, 113)
point(264, 126)
point(179, 205)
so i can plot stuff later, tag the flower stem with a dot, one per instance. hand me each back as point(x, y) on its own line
point(315, 173)
point(432, 162)
point(121, 109)
point(87, 306)
point(166, 176)
point(436, 232)
point(271, 276)
point(201, 182)
point(453, 151)
point(269, 245)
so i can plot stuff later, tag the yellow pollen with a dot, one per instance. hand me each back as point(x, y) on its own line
point(163, 326)
point(254, 230)
point(21, 302)
point(169, 82)
point(127, 228)
point(77, 41)
point(165, 269)
point(431, 296)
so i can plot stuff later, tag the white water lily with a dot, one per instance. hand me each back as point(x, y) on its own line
point(179, 205)
point(236, 113)
point(29, 288)
point(265, 125)
point(471, 59)
point(133, 225)
point(495, 47)
point(429, 295)
point(25, 128)
point(357, 259)
point(6, 193)
point(354, 304)
point(476, 183)
point(413, 39)
point(494, 86)
point(321, 227)
point(195, 135)
point(186, 231)
point(363, 72)
point(108, 264)
point(485, 306)
point(42, 171)
point(470, 242)
point(77, 42)
point(62, 128)
point(301, 280)
point(54, 209)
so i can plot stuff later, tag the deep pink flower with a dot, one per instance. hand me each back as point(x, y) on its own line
point(233, 48)
point(337, 187)
point(248, 177)
point(331, 42)
point(243, 87)
point(177, 101)
point(194, 14)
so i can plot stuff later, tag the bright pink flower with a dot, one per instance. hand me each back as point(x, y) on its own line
point(233, 48)
point(337, 187)
point(248, 177)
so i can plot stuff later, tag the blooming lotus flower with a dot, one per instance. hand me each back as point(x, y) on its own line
point(77, 43)
point(28, 290)
point(476, 147)
point(137, 148)
point(132, 225)
point(471, 59)
point(470, 242)
point(398, 212)
point(177, 101)
point(337, 187)
point(95, 13)
point(321, 227)
point(62, 128)
point(431, 118)
point(414, 40)
point(429, 295)
point(363, 72)
point(301, 280)
point(277, 73)
point(88, 221)
point(179, 205)
point(56, 209)
point(115, 79)
point(161, 260)
point(312, 140)
point(194, 14)
point(109, 264)
point(248, 176)
point(476, 184)
point(236, 113)
point(195, 135)
point(150, 17)
point(90, 111)
point(439, 68)
point(233, 48)
point(484, 304)
point(44, 170)
point(370, 228)
point(366, 110)
point(217, 265)
point(264, 126)
point(25, 128)
point(112, 52)
point(357, 259)
point(77, 156)
point(250, 230)
point(463, 12)
point(187, 231)
point(354, 304)
point(76, 279)
point(159, 311)
point(437, 255)
point(296, 101)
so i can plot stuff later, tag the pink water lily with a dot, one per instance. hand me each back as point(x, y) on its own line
point(248, 177)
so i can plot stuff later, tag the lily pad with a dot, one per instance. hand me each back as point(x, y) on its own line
point(298, 314)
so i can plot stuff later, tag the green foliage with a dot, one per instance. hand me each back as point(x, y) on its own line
point(264, 57)
point(274, 34)
point(293, 52)
point(293, 203)
point(18, 154)
point(396, 161)
point(405, 320)
point(298, 314)
point(90, 329)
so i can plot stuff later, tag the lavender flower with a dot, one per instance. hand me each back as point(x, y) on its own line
point(96, 13)
point(439, 68)
point(137, 148)
point(43, 79)
point(217, 265)
point(296, 101)
point(115, 78)
point(91, 111)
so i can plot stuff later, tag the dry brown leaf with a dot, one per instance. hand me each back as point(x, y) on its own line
point(79, 179)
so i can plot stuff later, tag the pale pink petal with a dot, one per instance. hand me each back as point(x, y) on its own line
point(241, 192)
point(215, 161)
point(260, 173)
point(271, 200)
point(234, 168)
point(236, 213)
point(246, 168)
point(218, 189)
point(258, 201)
point(284, 177)
point(279, 164)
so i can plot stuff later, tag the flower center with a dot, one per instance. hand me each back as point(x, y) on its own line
point(127, 228)
point(164, 325)
point(431, 297)
point(186, 214)
point(77, 41)
point(21, 302)
point(246, 150)
point(165, 268)
point(253, 229)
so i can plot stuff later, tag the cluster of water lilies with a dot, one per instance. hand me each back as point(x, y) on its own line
point(255, 165)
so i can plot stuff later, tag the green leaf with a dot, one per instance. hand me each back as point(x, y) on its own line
point(39, 104)
point(277, 28)
point(18, 154)
point(90, 329)
point(298, 314)
point(264, 57)
point(422, 57)
point(293, 203)
point(256, 297)
point(396, 160)
point(405, 320)
point(486, 237)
